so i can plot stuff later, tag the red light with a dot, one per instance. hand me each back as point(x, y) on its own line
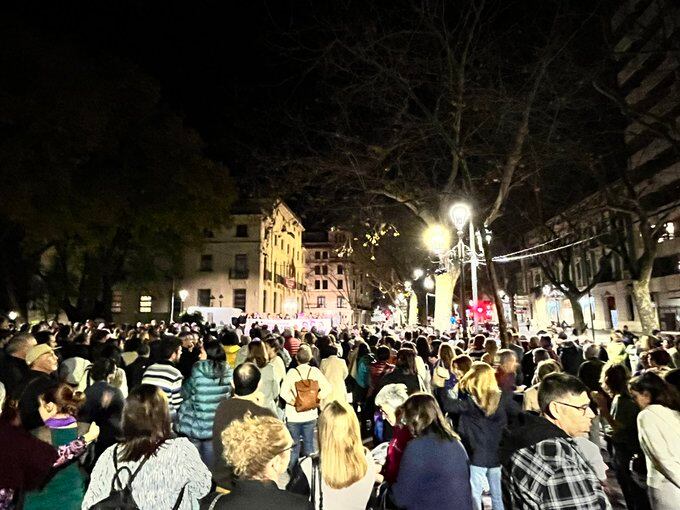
point(480, 309)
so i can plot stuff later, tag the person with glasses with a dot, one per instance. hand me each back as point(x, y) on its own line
point(542, 465)
point(259, 449)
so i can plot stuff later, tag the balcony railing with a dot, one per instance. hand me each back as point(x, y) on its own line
point(238, 274)
point(267, 275)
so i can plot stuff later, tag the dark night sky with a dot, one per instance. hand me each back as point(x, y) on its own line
point(214, 59)
point(219, 63)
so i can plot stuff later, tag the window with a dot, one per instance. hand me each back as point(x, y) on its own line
point(241, 230)
point(264, 301)
point(208, 234)
point(341, 302)
point(340, 284)
point(341, 270)
point(317, 284)
point(117, 301)
point(276, 299)
point(631, 308)
point(206, 263)
point(240, 299)
point(203, 297)
point(241, 262)
point(317, 269)
point(317, 255)
point(354, 285)
point(321, 302)
point(145, 304)
point(324, 270)
point(324, 284)
point(325, 255)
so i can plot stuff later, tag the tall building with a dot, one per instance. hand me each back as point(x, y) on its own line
point(256, 264)
point(336, 287)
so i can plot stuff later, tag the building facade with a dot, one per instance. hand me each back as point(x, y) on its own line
point(336, 287)
point(256, 264)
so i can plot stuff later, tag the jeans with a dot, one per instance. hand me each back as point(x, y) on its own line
point(205, 450)
point(493, 475)
point(304, 431)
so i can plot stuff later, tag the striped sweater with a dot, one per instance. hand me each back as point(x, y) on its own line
point(164, 375)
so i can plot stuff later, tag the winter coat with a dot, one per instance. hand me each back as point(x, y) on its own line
point(202, 393)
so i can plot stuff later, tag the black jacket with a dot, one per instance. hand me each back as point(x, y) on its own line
point(481, 434)
point(135, 371)
point(12, 373)
point(252, 494)
point(35, 384)
point(571, 357)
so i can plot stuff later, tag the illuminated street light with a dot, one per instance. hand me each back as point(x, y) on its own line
point(12, 315)
point(460, 214)
point(408, 285)
point(418, 273)
point(428, 283)
point(183, 295)
point(437, 238)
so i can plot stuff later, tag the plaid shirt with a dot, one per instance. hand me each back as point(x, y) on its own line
point(551, 475)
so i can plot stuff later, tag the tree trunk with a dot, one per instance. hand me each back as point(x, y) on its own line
point(443, 304)
point(649, 319)
point(493, 280)
point(579, 321)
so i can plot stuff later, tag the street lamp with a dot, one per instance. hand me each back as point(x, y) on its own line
point(183, 295)
point(417, 273)
point(12, 315)
point(437, 238)
point(460, 214)
point(428, 283)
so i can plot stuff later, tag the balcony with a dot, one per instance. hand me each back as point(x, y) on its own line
point(238, 274)
point(267, 275)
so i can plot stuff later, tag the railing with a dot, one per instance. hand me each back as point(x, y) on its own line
point(238, 274)
point(267, 275)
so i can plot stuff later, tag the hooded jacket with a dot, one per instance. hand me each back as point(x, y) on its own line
point(543, 469)
point(202, 393)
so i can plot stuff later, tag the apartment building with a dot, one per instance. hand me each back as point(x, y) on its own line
point(337, 288)
point(256, 264)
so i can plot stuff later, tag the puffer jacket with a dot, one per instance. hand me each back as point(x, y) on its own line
point(202, 393)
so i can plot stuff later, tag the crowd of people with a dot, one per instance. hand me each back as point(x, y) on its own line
point(181, 416)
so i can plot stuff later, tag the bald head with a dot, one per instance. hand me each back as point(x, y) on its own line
point(246, 379)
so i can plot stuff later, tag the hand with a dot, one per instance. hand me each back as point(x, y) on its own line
point(92, 434)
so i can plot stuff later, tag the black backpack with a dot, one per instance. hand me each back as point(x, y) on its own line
point(121, 498)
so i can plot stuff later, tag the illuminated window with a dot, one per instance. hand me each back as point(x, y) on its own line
point(117, 301)
point(145, 304)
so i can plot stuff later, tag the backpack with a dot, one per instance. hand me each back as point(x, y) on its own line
point(122, 499)
point(306, 393)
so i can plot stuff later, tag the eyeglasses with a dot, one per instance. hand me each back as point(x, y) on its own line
point(286, 449)
point(584, 408)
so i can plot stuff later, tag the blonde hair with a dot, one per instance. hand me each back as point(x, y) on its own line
point(343, 459)
point(250, 444)
point(480, 383)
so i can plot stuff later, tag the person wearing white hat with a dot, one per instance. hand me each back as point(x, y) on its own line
point(42, 363)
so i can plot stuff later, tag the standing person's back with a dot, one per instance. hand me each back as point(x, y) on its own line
point(165, 375)
point(434, 471)
point(659, 431)
point(335, 370)
point(170, 470)
point(347, 471)
point(483, 417)
point(210, 381)
point(14, 369)
point(246, 399)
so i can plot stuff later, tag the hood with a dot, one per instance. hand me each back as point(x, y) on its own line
point(530, 429)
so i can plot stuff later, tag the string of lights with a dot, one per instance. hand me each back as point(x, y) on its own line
point(533, 247)
point(511, 258)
